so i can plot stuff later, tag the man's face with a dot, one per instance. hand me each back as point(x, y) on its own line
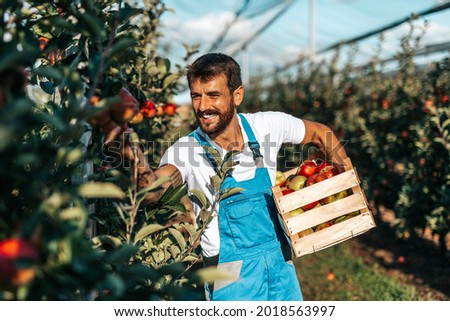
point(213, 104)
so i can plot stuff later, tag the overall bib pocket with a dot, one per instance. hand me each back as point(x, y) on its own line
point(249, 221)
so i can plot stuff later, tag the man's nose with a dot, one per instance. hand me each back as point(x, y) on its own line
point(203, 103)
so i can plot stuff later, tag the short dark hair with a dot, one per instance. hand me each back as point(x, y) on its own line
point(213, 64)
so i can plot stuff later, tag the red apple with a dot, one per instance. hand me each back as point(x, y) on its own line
point(309, 206)
point(287, 191)
point(11, 250)
point(311, 180)
point(329, 171)
point(148, 109)
point(124, 110)
point(323, 225)
point(322, 166)
point(307, 168)
point(170, 109)
point(319, 177)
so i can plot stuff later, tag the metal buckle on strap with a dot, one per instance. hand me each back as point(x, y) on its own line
point(254, 147)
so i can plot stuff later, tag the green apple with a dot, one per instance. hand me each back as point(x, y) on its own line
point(341, 219)
point(322, 226)
point(334, 197)
point(341, 195)
point(297, 211)
point(352, 214)
point(305, 232)
point(280, 179)
point(328, 199)
point(297, 182)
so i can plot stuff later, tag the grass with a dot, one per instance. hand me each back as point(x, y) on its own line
point(333, 274)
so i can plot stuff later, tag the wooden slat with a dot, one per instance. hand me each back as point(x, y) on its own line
point(317, 191)
point(333, 235)
point(325, 213)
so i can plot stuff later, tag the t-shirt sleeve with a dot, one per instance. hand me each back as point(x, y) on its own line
point(285, 127)
point(178, 155)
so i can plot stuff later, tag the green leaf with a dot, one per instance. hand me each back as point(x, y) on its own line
point(127, 12)
point(106, 239)
point(147, 230)
point(95, 26)
point(100, 190)
point(201, 197)
point(172, 196)
point(206, 217)
point(52, 120)
point(214, 153)
point(446, 123)
point(49, 73)
point(68, 156)
point(177, 208)
point(72, 213)
point(192, 257)
point(211, 274)
point(155, 185)
point(169, 79)
point(229, 192)
point(121, 177)
point(158, 256)
point(47, 87)
point(228, 162)
point(163, 65)
point(231, 155)
point(191, 229)
point(63, 23)
point(174, 251)
point(178, 237)
point(122, 254)
point(216, 181)
point(121, 44)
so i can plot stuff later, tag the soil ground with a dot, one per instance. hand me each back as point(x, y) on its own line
point(415, 262)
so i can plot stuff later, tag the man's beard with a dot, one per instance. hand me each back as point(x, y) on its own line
point(223, 120)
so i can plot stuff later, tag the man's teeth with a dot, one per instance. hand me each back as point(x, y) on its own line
point(209, 116)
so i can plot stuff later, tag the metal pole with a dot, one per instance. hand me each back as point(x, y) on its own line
point(245, 66)
point(312, 49)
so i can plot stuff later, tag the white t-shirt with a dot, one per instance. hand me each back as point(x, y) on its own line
point(271, 130)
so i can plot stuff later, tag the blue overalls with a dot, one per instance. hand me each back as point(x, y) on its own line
point(251, 239)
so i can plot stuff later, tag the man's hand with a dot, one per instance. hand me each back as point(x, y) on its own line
point(323, 137)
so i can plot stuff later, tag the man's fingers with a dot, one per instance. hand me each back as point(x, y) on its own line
point(113, 134)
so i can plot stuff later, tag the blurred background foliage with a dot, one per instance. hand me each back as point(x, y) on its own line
point(72, 223)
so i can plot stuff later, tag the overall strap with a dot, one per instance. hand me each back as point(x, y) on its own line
point(205, 144)
point(252, 142)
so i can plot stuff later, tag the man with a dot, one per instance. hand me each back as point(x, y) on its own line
point(245, 237)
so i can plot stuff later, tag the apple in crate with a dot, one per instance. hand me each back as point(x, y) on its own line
point(307, 168)
point(280, 179)
point(305, 232)
point(296, 182)
point(323, 225)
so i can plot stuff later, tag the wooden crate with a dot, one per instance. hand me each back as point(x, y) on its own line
point(354, 201)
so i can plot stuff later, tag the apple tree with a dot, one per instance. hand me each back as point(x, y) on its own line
point(71, 73)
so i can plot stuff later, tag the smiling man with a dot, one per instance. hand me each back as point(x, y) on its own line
point(245, 237)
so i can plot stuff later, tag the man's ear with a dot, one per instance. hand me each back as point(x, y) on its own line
point(238, 95)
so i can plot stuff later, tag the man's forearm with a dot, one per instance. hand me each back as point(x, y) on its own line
point(146, 177)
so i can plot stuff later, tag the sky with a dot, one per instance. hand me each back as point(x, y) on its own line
point(289, 30)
